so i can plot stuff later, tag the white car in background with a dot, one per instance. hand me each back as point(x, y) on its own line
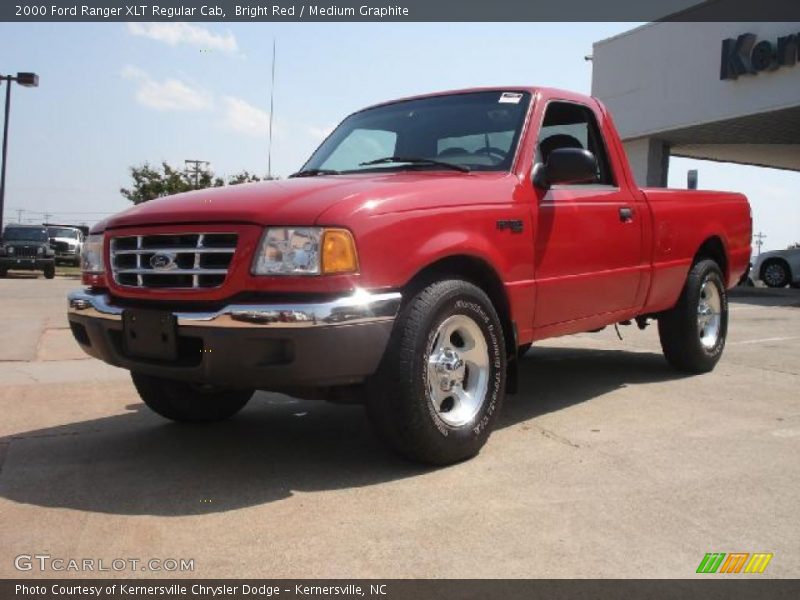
point(778, 268)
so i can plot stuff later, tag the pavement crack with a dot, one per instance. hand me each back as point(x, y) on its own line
point(555, 437)
point(761, 368)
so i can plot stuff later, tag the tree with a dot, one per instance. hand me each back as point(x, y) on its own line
point(243, 177)
point(150, 183)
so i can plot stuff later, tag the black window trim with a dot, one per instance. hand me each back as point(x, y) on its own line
point(585, 186)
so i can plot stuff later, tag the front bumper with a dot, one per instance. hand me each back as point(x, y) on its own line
point(25, 263)
point(254, 346)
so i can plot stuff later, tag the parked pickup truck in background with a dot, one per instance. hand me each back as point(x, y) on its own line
point(424, 243)
point(67, 243)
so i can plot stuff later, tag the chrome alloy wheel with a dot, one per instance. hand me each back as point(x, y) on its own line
point(709, 314)
point(458, 370)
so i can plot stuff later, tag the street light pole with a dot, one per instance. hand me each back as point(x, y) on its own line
point(5, 149)
point(28, 80)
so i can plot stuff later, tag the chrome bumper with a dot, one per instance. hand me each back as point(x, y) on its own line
point(360, 307)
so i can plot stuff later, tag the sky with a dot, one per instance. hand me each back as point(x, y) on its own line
point(113, 95)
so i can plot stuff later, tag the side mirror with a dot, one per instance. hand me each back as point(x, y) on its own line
point(565, 166)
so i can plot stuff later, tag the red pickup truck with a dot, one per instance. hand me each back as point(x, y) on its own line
point(424, 244)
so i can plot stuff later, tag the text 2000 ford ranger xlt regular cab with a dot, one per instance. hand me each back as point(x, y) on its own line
point(424, 243)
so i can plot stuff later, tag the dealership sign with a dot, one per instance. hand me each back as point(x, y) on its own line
point(745, 56)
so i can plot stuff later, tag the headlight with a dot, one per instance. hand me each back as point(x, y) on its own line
point(10, 250)
point(305, 251)
point(40, 250)
point(92, 255)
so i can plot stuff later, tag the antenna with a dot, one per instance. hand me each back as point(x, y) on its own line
point(271, 110)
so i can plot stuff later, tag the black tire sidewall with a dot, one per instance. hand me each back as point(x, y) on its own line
point(711, 271)
point(677, 328)
point(182, 402)
point(403, 411)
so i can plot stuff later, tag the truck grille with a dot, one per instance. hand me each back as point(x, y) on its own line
point(180, 260)
point(25, 251)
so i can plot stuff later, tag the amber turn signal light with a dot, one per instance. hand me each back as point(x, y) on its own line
point(338, 252)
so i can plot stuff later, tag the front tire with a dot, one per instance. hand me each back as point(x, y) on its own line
point(188, 402)
point(50, 272)
point(693, 333)
point(441, 383)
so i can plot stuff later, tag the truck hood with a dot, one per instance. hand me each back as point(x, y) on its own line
point(301, 201)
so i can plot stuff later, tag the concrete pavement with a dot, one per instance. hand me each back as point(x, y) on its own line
point(606, 464)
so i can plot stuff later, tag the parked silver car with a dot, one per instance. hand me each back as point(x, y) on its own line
point(778, 268)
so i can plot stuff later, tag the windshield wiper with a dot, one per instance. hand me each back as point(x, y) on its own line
point(314, 172)
point(415, 161)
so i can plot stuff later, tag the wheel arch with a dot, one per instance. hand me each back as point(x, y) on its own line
point(477, 271)
point(714, 248)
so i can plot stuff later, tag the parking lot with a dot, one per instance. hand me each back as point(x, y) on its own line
point(606, 464)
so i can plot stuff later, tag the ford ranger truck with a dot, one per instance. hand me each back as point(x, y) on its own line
point(406, 264)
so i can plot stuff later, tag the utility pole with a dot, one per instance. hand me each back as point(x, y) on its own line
point(19, 215)
point(759, 238)
point(195, 170)
point(271, 110)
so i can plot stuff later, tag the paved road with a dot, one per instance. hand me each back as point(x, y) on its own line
point(606, 464)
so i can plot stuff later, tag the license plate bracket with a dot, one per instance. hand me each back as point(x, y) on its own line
point(150, 334)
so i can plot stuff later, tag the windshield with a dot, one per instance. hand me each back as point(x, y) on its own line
point(478, 131)
point(62, 232)
point(24, 234)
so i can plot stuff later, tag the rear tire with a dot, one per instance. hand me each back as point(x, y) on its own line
point(693, 333)
point(775, 273)
point(188, 402)
point(441, 383)
point(3, 273)
point(50, 272)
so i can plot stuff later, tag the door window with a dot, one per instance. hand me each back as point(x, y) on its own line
point(569, 125)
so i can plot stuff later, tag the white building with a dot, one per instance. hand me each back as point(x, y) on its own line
point(720, 91)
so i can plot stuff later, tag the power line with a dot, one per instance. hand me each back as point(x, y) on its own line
point(65, 212)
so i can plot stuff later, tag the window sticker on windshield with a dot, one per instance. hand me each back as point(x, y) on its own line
point(510, 97)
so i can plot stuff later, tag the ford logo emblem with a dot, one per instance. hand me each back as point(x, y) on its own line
point(162, 261)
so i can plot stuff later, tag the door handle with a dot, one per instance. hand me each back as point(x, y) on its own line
point(626, 214)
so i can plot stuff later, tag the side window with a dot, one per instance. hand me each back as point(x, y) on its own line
point(568, 125)
point(361, 145)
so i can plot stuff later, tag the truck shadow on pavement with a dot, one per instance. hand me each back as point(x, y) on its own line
point(138, 464)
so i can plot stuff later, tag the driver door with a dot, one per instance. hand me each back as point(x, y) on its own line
point(588, 242)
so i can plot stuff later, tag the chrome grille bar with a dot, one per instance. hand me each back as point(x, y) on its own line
point(179, 260)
